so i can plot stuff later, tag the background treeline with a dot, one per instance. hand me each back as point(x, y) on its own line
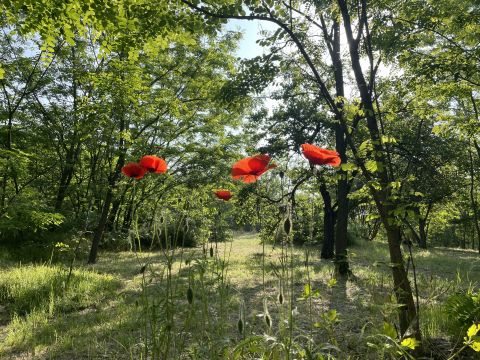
point(78, 102)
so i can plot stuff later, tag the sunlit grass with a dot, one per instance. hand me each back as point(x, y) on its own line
point(96, 318)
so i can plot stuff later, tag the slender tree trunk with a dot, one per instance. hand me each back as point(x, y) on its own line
point(414, 233)
point(401, 285)
point(422, 223)
point(98, 234)
point(328, 224)
point(403, 291)
point(114, 212)
point(341, 231)
point(67, 174)
point(8, 146)
point(473, 199)
point(74, 150)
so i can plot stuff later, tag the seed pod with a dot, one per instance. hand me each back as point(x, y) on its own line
point(281, 174)
point(240, 326)
point(268, 320)
point(287, 226)
point(143, 268)
point(190, 295)
point(211, 251)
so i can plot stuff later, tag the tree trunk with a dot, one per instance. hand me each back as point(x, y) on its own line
point(98, 234)
point(403, 292)
point(328, 224)
point(474, 199)
point(75, 147)
point(341, 231)
point(401, 285)
point(67, 174)
point(422, 223)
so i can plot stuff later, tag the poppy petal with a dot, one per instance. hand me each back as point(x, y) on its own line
point(318, 156)
point(249, 169)
point(154, 164)
point(134, 170)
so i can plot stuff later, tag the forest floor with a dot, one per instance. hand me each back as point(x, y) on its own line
point(107, 310)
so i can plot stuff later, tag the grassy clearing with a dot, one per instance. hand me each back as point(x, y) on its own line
point(115, 310)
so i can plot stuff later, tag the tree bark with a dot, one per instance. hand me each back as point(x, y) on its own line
point(341, 231)
point(422, 224)
point(473, 199)
point(328, 224)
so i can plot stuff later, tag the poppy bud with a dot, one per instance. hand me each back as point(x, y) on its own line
point(190, 295)
point(287, 226)
point(211, 251)
point(240, 326)
point(281, 174)
point(280, 298)
point(268, 320)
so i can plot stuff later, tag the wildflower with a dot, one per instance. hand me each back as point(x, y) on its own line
point(249, 169)
point(223, 194)
point(134, 170)
point(318, 156)
point(153, 164)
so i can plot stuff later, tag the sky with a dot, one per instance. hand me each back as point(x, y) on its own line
point(248, 47)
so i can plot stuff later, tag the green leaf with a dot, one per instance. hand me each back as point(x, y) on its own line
point(332, 282)
point(332, 315)
point(389, 330)
point(307, 290)
point(2, 72)
point(373, 166)
point(348, 167)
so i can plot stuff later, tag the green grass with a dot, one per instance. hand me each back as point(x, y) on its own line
point(112, 310)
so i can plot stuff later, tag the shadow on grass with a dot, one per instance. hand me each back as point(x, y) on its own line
point(114, 328)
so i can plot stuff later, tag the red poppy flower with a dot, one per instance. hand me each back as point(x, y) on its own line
point(319, 156)
point(134, 170)
point(223, 194)
point(249, 169)
point(153, 164)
